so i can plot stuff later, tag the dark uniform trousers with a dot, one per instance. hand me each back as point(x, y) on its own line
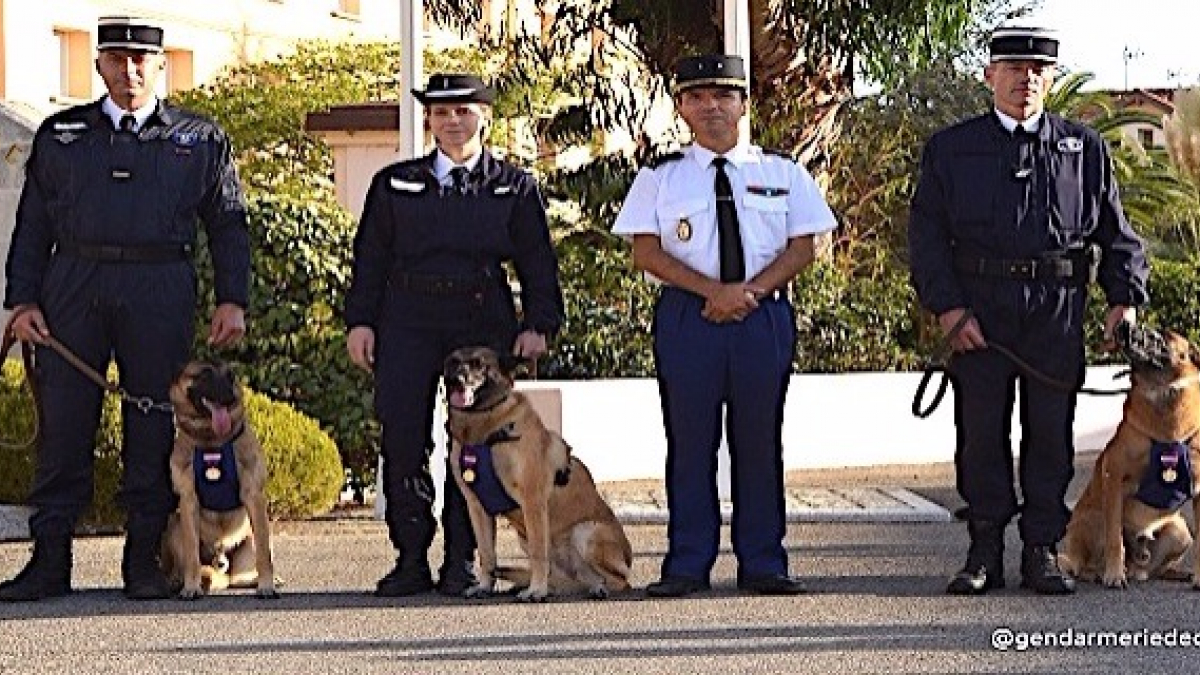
point(742, 369)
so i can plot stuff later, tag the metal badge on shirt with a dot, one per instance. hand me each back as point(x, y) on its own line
point(1070, 145)
point(69, 132)
point(683, 229)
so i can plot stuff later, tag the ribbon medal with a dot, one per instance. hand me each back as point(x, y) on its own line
point(468, 461)
point(212, 468)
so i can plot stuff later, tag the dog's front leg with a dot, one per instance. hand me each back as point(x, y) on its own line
point(537, 527)
point(260, 530)
point(1113, 498)
point(189, 536)
point(483, 525)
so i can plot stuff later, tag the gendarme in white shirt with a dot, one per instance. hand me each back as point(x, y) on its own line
point(675, 199)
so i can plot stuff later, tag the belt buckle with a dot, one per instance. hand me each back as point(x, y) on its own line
point(1023, 269)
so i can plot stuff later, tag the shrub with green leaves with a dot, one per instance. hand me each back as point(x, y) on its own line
point(305, 474)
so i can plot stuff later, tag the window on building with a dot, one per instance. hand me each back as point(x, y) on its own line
point(180, 75)
point(74, 63)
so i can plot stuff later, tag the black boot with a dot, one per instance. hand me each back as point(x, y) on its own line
point(985, 560)
point(410, 576)
point(141, 570)
point(1040, 572)
point(456, 575)
point(46, 575)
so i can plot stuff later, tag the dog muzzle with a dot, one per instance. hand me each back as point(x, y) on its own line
point(1142, 346)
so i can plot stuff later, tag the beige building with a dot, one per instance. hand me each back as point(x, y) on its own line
point(47, 49)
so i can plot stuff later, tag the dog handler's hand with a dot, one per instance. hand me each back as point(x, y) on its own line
point(969, 335)
point(1117, 314)
point(228, 325)
point(29, 325)
point(731, 302)
point(361, 344)
point(530, 344)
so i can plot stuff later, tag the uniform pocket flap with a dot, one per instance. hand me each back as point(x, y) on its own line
point(763, 203)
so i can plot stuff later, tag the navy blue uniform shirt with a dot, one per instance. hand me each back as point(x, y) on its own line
point(87, 184)
point(970, 202)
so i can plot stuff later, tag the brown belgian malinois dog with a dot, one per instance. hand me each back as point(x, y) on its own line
point(506, 462)
point(1128, 522)
point(220, 536)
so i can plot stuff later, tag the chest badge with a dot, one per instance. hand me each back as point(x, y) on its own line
point(683, 230)
point(1070, 145)
point(66, 137)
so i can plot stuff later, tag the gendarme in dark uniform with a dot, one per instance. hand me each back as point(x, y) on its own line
point(1012, 211)
point(428, 278)
point(101, 256)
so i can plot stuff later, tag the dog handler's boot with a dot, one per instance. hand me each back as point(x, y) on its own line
point(410, 576)
point(457, 572)
point(141, 570)
point(985, 560)
point(46, 575)
point(1041, 573)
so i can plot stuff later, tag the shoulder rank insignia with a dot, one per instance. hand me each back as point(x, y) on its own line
point(780, 153)
point(660, 160)
point(1070, 145)
point(185, 139)
point(410, 187)
point(767, 191)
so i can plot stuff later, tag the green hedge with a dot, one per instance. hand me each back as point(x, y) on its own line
point(305, 474)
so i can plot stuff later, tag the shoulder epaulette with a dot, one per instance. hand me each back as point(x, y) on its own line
point(660, 160)
point(780, 153)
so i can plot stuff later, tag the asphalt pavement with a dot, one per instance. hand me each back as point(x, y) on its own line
point(875, 604)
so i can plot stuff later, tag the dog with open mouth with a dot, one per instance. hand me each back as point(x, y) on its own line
point(1128, 521)
point(506, 462)
point(220, 536)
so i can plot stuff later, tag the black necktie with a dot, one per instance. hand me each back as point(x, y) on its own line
point(127, 123)
point(1023, 165)
point(458, 179)
point(733, 265)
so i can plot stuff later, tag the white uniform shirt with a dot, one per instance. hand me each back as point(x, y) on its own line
point(442, 165)
point(776, 200)
point(139, 116)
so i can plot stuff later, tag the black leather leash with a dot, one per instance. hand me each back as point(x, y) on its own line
point(945, 352)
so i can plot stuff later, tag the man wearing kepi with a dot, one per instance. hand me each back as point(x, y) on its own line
point(725, 226)
point(1015, 212)
point(101, 259)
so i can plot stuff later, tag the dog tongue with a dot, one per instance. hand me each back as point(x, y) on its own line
point(462, 398)
point(221, 422)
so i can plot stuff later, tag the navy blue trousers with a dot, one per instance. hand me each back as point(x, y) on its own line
point(141, 316)
point(733, 376)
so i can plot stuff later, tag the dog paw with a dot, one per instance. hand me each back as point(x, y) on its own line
point(478, 592)
point(531, 595)
point(1116, 581)
point(190, 593)
point(598, 593)
point(268, 593)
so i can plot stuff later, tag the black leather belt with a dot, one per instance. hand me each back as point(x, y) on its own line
point(1037, 269)
point(432, 284)
point(126, 254)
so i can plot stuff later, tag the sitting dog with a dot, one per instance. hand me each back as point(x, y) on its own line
point(220, 536)
point(506, 462)
point(1127, 522)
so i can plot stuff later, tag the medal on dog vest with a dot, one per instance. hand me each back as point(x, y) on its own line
point(212, 466)
point(1169, 474)
point(1167, 481)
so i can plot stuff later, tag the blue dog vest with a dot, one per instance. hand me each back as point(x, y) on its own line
point(216, 476)
point(479, 472)
point(1167, 483)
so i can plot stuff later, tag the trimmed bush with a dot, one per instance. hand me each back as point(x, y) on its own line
point(305, 471)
